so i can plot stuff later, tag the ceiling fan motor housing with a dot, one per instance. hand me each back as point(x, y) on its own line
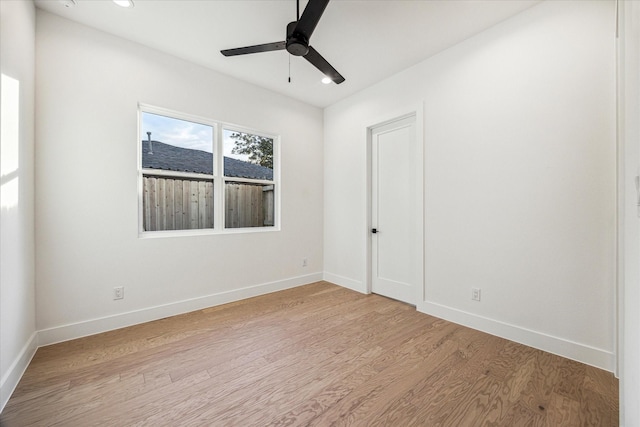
point(297, 44)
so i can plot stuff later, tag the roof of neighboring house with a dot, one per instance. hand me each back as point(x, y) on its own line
point(169, 157)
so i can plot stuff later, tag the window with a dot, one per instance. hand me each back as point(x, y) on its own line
point(197, 174)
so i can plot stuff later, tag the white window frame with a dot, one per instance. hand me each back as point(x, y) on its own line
point(218, 177)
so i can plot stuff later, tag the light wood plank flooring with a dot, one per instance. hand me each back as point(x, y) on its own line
point(317, 355)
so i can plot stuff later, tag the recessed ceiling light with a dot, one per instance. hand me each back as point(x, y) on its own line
point(326, 80)
point(124, 3)
point(68, 3)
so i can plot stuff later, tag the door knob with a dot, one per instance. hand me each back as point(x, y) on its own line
point(374, 230)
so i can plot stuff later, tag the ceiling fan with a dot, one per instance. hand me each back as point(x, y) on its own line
point(297, 41)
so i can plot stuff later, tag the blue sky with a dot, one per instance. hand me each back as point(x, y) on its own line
point(177, 132)
point(185, 134)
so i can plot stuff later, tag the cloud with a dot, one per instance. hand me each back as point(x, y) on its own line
point(179, 133)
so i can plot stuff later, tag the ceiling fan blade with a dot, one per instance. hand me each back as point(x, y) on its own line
point(310, 17)
point(321, 64)
point(267, 47)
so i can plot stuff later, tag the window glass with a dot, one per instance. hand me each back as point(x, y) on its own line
point(176, 145)
point(248, 204)
point(249, 196)
point(247, 155)
point(177, 174)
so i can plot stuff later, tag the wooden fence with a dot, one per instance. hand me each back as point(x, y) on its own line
point(248, 205)
point(181, 204)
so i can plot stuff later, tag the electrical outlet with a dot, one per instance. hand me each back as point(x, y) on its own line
point(304, 262)
point(475, 294)
point(118, 292)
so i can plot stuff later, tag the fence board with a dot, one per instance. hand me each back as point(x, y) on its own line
point(194, 205)
point(153, 206)
point(177, 200)
point(162, 204)
point(231, 201)
point(186, 204)
point(209, 204)
point(202, 212)
point(256, 206)
point(169, 206)
point(145, 203)
point(245, 214)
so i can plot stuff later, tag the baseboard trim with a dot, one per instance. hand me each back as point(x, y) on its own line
point(345, 282)
point(10, 380)
point(571, 350)
point(103, 324)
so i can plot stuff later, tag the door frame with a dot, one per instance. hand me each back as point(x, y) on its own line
point(628, 272)
point(417, 112)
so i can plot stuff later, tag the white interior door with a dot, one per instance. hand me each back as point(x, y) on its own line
point(394, 201)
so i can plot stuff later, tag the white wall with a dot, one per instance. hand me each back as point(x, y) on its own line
point(520, 155)
point(88, 86)
point(17, 301)
point(629, 131)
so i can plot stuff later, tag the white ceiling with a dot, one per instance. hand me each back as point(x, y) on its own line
point(366, 41)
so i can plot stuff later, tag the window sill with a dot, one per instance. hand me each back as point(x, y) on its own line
point(204, 232)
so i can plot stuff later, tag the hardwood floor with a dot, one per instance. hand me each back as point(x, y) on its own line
point(317, 355)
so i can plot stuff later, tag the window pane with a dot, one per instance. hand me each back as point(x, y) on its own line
point(247, 155)
point(176, 199)
point(174, 203)
point(249, 205)
point(176, 145)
